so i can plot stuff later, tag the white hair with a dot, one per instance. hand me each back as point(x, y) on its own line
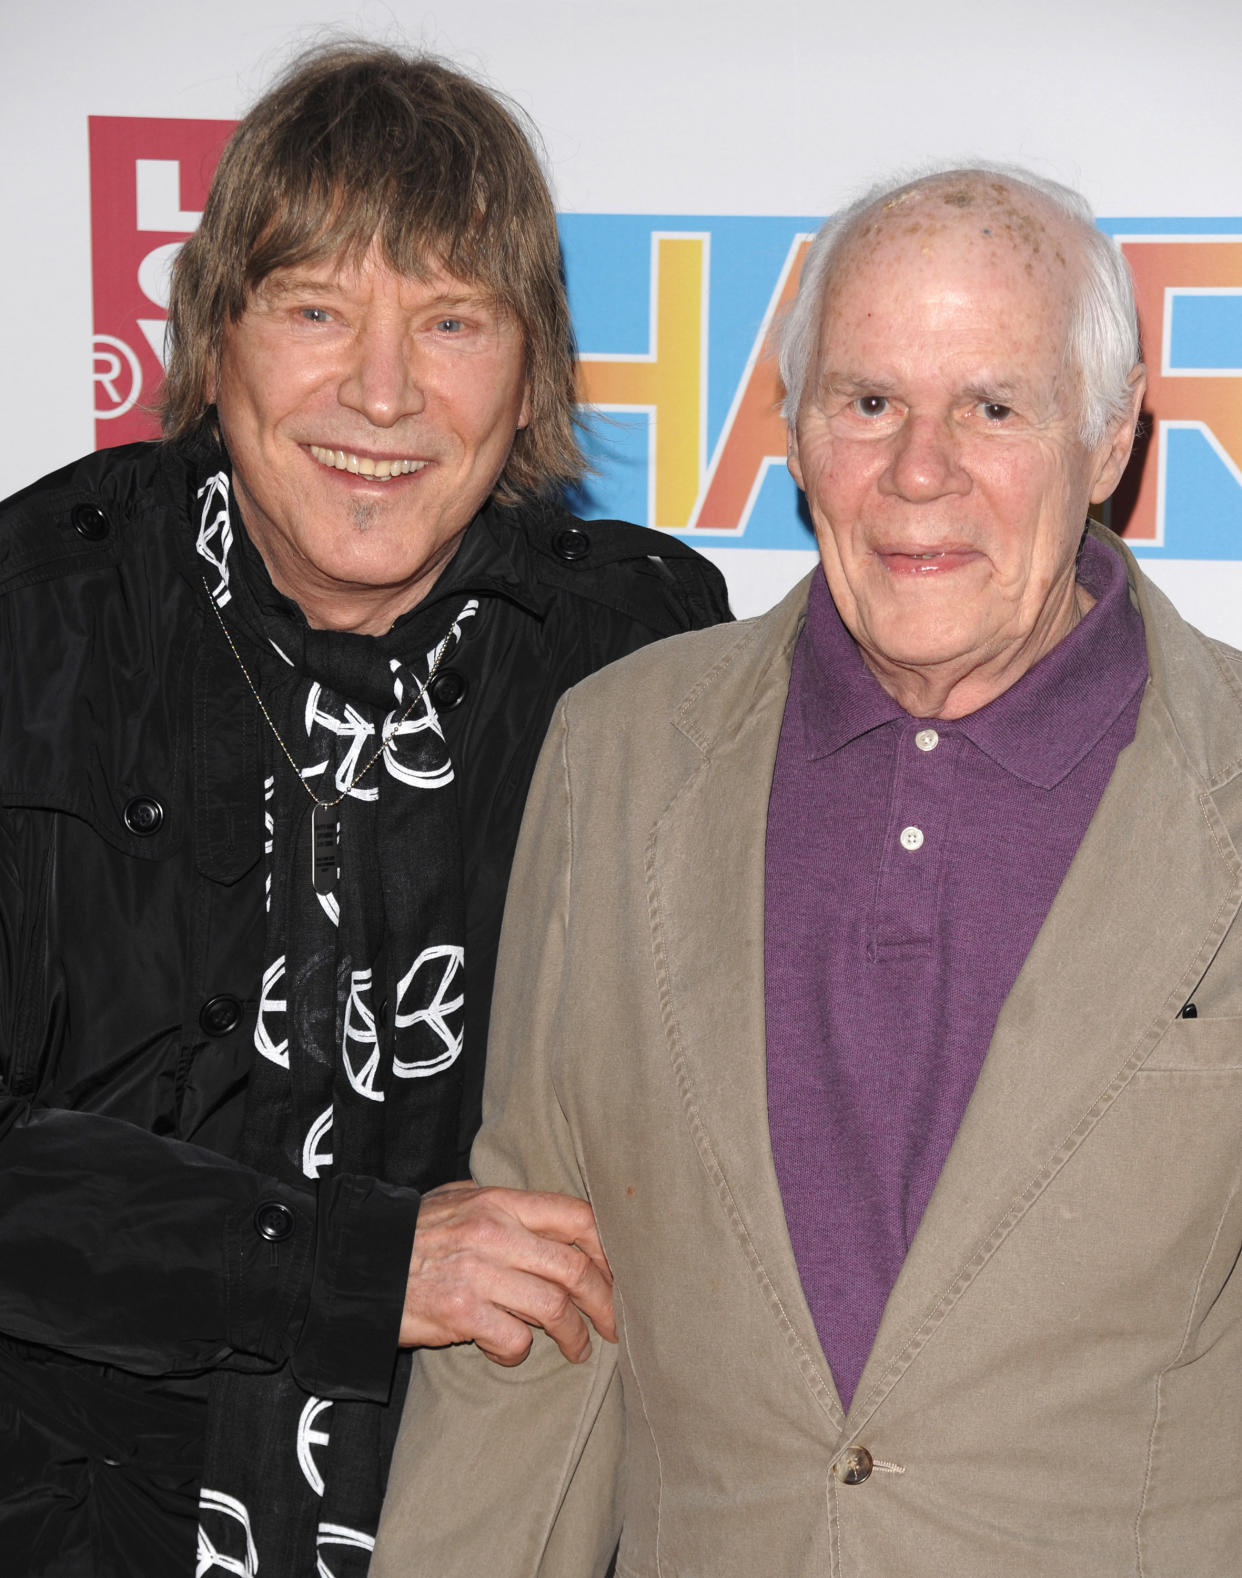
point(1103, 340)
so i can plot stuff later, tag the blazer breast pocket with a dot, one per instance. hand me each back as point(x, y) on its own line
point(1198, 1044)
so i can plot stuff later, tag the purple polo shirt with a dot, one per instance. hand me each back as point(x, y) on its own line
point(910, 864)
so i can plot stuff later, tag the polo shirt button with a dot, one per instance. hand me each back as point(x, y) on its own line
point(220, 1014)
point(273, 1221)
point(571, 544)
point(912, 838)
point(853, 1466)
point(143, 815)
point(927, 739)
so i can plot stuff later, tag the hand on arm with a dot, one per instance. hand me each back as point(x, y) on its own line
point(488, 1264)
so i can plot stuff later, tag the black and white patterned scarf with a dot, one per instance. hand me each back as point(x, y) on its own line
point(358, 1035)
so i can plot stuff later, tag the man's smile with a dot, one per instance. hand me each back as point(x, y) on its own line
point(365, 465)
point(925, 561)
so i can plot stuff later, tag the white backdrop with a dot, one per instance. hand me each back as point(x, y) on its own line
point(661, 107)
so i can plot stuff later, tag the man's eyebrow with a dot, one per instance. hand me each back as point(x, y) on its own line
point(464, 298)
point(1001, 391)
point(281, 284)
point(851, 384)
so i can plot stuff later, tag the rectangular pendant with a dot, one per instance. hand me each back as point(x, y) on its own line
point(325, 833)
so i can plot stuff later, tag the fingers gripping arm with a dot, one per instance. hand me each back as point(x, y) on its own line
point(490, 1264)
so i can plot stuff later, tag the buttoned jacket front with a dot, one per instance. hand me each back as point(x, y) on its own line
point(1056, 1386)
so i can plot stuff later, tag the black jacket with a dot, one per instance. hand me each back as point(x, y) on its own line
point(131, 924)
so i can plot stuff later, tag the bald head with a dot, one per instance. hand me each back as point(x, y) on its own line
point(1011, 222)
point(1012, 219)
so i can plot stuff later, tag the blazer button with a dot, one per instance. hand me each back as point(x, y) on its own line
point(853, 1466)
point(571, 544)
point(143, 815)
point(273, 1221)
point(448, 689)
point(220, 1014)
point(89, 521)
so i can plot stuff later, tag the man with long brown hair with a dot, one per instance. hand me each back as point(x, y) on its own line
point(274, 689)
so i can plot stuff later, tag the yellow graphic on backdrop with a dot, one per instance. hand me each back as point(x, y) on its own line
point(669, 381)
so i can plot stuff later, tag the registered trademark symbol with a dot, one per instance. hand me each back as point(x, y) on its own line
point(118, 377)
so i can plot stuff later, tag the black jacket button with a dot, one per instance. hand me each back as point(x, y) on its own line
point(571, 544)
point(219, 1015)
point(448, 689)
point(273, 1221)
point(143, 815)
point(89, 521)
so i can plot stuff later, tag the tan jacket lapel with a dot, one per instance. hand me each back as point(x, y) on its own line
point(706, 877)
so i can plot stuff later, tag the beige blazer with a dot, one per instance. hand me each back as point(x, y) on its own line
point(1056, 1386)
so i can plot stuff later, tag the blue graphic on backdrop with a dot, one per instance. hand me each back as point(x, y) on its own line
point(674, 318)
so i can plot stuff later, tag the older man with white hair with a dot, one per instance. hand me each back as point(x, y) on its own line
point(887, 995)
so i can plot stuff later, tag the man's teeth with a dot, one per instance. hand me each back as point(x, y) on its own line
point(363, 465)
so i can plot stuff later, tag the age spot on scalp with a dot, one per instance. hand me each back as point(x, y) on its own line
point(963, 197)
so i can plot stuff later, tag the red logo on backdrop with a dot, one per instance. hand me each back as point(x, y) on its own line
point(149, 180)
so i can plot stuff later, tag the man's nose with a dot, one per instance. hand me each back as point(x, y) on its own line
point(925, 460)
point(383, 380)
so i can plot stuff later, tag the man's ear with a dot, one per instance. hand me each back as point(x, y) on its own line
point(1114, 451)
point(791, 454)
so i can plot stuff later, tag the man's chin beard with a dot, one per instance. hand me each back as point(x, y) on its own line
point(364, 514)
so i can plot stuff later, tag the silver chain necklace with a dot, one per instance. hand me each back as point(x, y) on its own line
point(325, 822)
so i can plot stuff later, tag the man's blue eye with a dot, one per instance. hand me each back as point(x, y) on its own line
point(450, 324)
point(315, 314)
point(995, 412)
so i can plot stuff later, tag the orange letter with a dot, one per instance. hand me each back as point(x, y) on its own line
point(1160, 267)
point(753, 436)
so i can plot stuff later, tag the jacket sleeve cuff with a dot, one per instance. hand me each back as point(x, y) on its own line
point(348, 1342)
point(269, 1253)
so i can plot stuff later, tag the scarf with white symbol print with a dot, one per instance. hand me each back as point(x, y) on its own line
point(359, 1028)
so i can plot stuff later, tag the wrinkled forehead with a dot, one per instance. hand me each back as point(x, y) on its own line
point(343, 272)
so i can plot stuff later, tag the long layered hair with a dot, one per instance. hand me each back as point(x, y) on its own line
point(359, 146)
